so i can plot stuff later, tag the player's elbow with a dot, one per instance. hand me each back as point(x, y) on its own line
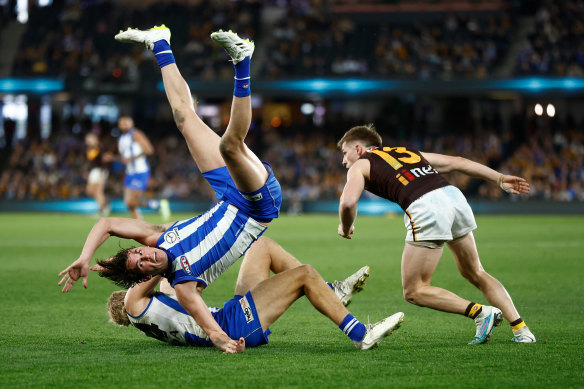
point(347, 204)
point(456, 164)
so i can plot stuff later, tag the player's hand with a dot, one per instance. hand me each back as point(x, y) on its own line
point(226, 344)
point(78, 269)
point(346, 235)
point(513, 184)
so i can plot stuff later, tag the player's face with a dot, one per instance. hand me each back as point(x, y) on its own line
point(125, 124)
point(147, 260)
point(350, 153)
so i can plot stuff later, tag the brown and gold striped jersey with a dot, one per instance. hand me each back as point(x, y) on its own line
point(401, 175)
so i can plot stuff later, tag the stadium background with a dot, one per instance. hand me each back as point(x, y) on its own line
point(460, 78)
point(500, 82)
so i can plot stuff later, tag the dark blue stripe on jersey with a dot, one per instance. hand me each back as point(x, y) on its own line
point(188, 243)
point(194, 339)
point(142, 314)
point(222, 247)
point(170, 302)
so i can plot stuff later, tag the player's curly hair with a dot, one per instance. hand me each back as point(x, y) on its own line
point(366, 133)
point(114, 269)
point(116, 310)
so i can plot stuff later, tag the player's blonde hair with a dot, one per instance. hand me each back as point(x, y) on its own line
point(366, 133)
point(116, 310)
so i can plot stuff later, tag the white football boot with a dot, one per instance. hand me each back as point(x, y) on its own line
point(523, 335)
point(351, 285)
point(378, 331)
point(145, 37)
point(486, 321)
point(236, 47)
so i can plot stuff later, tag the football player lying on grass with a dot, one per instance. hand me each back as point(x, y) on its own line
point(258, 302)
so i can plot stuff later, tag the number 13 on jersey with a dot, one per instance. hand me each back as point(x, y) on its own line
point(404, 156)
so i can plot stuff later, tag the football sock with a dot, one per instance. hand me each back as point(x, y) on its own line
point(517, 324)
point(473, 310)
point(242, 78)
point(353, 328)
point(163, 53)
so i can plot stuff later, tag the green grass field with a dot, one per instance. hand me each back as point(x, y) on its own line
point(50, 339)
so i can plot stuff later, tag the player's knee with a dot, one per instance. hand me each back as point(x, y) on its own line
point(306, 272)
point(229, 146)
point(411, 295)
point(475, 277)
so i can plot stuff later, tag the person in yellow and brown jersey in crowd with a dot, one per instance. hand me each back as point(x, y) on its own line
point(99, 161)
point(435, 213)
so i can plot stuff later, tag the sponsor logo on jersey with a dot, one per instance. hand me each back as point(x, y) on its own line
point(406, 176)
point(246, 309)
point(171, 236)
point(255, 197)
point(185, 264)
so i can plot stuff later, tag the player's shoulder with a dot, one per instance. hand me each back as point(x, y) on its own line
point(362, 166)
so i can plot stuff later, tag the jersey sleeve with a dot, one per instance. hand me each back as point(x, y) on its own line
point(180, 271)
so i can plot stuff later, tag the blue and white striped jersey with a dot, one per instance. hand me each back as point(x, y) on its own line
point(129, 148)
point(202, 248)
point(165, 319)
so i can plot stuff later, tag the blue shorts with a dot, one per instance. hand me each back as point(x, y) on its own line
point(138, 181)
point(239, 319)
point(263, 204)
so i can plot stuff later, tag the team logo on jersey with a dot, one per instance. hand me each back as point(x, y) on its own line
point(171, 236)
point(255, 197)
point(185, 264)
point(246, 309)
point(406, 176)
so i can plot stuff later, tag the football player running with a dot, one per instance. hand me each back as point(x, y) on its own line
point(435, 213)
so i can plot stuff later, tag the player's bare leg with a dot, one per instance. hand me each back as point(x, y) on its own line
point(203, 142)
point(132, 201)
point(247, 171)
point(418, 266)
point(275, 295)
point(97, 192)
point(468, 262)
point(263, 255)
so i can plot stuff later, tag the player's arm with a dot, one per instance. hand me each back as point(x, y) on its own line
point(348, 202)
point(143, 141)
point(143, 232)
point(138, 296)
point(189, 296)
point(446, 164)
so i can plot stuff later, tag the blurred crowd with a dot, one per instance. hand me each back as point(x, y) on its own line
point(555, 45)
point(320, 44)
point(306, 162)
point(74, 40)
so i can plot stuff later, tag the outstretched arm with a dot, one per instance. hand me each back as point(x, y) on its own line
point(348, 203)
point(139, 230)
point(189, 296)
point(446, 164)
